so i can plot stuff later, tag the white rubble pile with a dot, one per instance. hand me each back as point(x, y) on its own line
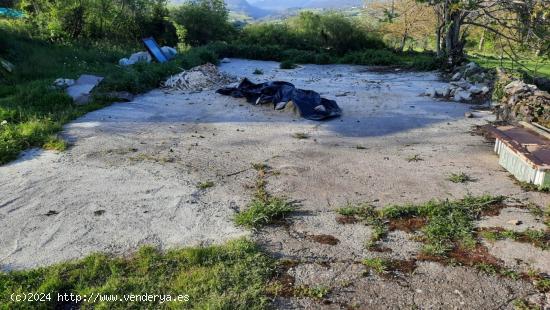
point(468, 82)
point(198, 78)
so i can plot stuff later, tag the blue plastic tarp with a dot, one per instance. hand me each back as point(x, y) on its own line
point(7, 12)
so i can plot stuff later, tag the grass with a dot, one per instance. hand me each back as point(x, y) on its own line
point(530, 187)
point(32, 112)
point(367, 214)
point(264, 209)
point(230, 276)
point(446, 226)
point(300, 135)
point(205, 185)
point(489, 61)
point(379, 265)
point(460, 178)
point(369, 57)
point(258, 71)
point(315, 292)
point(537, 238)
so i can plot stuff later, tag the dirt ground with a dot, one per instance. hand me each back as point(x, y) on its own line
point(131, 178)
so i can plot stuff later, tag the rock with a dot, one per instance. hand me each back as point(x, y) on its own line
point(226, 61)
point(485, 90)
point(457, 76)
point(471, 65)
point(461, 95)
point(475, 90)
point(462, 84)
point(514, 222)
point(169, 52)
point(63, 83)
point(519, 87)
point(431, 92)
point(469, 115)
point(442, 92)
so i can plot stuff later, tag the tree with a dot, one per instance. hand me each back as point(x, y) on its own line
point(204, 21)
point(519, 23)
point(405, 20)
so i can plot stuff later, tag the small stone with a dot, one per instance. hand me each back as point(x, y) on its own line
point(514, 222)
point(225, 61)
point(456, 77)
point(469, 115)
point(431, 93)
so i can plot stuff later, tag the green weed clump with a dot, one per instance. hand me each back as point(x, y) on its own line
point(447, 225)
point(261, 212)
point(264, 209)
point(460, 178)
point(230, 276)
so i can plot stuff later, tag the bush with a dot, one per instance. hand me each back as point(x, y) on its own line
point(327, 33)
point(204, 21)
point(67, 20)
point(287, 64)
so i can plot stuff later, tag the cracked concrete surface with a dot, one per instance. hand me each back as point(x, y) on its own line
point(131, 175)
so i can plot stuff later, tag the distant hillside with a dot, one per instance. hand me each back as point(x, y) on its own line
point(242, 6)
point(239, 7)
point(291, 4)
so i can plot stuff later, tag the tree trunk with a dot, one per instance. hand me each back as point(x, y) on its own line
point(481, 41)
point(453, 44)
point(438, 42)
point(403, 41)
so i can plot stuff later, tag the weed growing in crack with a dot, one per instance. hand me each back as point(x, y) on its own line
point(370, 216)
point(205, 185)
point(415, 158)
point(258, 71)
point(460, 178)
point(522, 304)
point(315, 292)
point(379, 265)
point(538, 238)
point(445, 225)
point(300, 135)
point(264, 208)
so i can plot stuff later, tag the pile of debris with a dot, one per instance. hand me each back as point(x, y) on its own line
point(199, 78)
point(524, 102)
point(168, 51)
point(468, 83)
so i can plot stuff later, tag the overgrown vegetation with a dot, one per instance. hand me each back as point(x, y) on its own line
point(231, 276)
point(264, 209)
point(460, 178)
point(32, 112)
point(445, 225)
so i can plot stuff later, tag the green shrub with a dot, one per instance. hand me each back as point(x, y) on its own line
point(204, 21)
point(262, 212)
point(229, 276)
point(287, 64)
